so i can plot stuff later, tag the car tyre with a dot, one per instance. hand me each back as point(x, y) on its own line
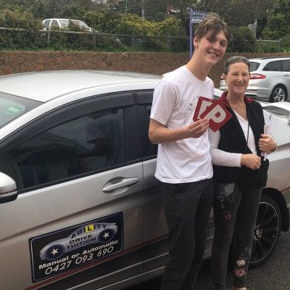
point(267, 231)
point(279, 94)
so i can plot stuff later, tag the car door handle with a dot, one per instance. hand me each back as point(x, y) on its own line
point(120, 182)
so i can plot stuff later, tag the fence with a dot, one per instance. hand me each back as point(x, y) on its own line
point(16, 38)
point(269, 45)
point(97, 40)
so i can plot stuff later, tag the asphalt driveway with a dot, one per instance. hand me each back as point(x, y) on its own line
point(274, 275)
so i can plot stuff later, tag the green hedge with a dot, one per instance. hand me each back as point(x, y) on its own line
point(130, 32)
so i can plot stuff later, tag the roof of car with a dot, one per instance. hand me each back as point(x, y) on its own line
point(268, 58)
point(46, 85)
point(60, 19)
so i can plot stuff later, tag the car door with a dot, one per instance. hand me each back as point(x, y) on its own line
point(155, 228)
point(274, 69)
point(78, 216)
point(286, 70)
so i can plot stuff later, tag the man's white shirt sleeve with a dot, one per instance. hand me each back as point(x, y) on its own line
point(164, 102)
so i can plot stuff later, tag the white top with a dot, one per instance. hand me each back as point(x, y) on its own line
point(174, 102)
point(223, 158)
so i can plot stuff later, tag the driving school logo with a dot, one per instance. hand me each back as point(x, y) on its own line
point(63, 250)
point(93, 233)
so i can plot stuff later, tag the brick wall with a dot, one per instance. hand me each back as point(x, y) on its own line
point(155, 63)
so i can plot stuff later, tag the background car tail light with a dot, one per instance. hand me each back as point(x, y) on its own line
point(256, 76)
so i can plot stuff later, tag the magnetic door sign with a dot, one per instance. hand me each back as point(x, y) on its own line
point(213, 110)
point(57, 252)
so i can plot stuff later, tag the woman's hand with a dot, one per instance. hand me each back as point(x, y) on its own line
point(251, 161)
point(266, 143)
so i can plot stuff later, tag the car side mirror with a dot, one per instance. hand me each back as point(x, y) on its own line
point(8, 189)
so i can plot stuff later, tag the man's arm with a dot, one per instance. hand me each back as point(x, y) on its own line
point(159, 133)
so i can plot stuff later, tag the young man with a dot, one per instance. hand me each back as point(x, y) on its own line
point(183, 161)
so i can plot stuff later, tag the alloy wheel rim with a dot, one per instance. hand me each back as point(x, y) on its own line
point(279, 95)
point(266, 232)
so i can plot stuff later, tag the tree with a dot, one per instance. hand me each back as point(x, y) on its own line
point(243, 39)
point(276, 26)
point(278, 21)
point(152, 9)
point(238, 12)
point(60, 8)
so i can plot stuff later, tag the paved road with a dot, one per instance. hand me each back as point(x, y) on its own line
point(274, 275)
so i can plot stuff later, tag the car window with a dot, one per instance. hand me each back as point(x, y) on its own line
point(150, 150)
point(54, 25)
point(273, 66)
point(64, 23)
point(144, 100)
point(254, 65)
point(91, 143)
point(286, 65)
point(46, 24)
point(12, 107)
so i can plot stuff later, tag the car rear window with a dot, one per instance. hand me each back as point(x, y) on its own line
point(254, 65)
point(12, 107)
point(64, 23)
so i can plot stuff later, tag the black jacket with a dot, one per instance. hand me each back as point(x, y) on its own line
point(233, 140)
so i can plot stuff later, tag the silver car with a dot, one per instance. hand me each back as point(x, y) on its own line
point(270, 79)
point(79, 205)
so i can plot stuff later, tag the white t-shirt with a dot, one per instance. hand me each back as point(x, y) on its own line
point(174, 102)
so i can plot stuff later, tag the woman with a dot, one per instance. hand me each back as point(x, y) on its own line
point(237, 150)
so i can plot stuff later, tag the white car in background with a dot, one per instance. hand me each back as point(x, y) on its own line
point(64, 24)
point(270, 79)
point(75, 158)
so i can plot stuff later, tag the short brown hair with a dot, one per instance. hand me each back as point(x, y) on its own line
point(236, 59)
point(212, 23)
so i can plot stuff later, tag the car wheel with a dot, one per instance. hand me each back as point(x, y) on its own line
point(279, 94)
point(267, 231)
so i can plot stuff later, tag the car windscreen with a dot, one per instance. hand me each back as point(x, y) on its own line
point(12, 107)
point(254, 65)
